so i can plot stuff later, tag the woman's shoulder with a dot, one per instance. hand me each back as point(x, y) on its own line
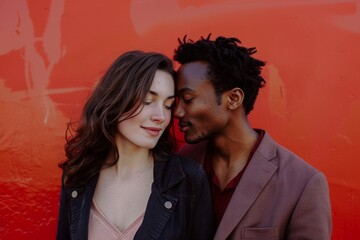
point(189, 167)
point(180, 174)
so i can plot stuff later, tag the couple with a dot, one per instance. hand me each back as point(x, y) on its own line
point(122, 179)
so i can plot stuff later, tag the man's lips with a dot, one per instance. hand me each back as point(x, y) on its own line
point(152, 131)
point(184, 126)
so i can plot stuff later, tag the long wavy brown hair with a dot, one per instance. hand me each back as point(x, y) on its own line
point(119, 93)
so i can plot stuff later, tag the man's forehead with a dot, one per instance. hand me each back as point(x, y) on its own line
point(194, 68)
point(193, 73)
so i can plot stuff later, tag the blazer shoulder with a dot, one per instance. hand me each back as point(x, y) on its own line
point(288, 162)
point(291, 159)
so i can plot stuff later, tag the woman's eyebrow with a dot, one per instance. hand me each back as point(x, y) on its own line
point(156, 94)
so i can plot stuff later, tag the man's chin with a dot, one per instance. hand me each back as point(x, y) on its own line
point(193, 140)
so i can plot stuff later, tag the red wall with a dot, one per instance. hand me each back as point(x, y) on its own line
point(53, 51)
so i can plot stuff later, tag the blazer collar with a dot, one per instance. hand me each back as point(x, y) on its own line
point(249, 187)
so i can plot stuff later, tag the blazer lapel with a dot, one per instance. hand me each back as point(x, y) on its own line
point(248, 188)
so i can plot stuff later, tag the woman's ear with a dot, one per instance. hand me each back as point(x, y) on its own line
point(235, 98)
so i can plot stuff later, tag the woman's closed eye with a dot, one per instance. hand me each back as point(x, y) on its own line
point(169, 107)
point(169, 103)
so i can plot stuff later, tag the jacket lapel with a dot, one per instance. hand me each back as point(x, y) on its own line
point(161, 204)
point(248, 188)
point(84, 205)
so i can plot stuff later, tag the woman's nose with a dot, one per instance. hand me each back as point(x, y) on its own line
point(158, 114)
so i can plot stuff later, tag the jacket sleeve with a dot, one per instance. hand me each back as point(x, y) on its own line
point(203, 222)
point(63, 230)
point(312, 215)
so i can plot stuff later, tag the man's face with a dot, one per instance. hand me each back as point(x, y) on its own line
point(200, 115)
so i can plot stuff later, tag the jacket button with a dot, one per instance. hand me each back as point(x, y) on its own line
point(168, 205)
point(74, 194)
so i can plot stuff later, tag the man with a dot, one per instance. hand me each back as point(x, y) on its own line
point(260, 189)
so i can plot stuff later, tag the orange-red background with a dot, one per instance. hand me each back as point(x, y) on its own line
point(53, 51)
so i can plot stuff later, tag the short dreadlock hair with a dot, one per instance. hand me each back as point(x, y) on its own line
point(229, 65)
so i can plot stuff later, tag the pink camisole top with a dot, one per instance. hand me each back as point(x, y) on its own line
point(100, 227)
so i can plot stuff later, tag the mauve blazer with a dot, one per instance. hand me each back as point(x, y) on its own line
point(179, 206)
point(279, 196)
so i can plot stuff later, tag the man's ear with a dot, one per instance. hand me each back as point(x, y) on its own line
point(235, 98)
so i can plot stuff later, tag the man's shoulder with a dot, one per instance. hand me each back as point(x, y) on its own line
point(284, 157)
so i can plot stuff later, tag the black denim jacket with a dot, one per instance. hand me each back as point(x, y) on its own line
point(179, 206)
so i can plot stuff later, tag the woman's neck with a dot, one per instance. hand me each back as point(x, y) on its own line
point(132, 162)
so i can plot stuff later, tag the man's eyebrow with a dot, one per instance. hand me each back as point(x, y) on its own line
point(156, 94)
point(184, 90)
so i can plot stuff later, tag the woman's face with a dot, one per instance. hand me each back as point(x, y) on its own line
point(144, 129)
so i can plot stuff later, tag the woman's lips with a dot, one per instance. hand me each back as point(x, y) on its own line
point(154, 132)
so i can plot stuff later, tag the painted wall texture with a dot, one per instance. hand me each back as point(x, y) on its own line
point(52, 52)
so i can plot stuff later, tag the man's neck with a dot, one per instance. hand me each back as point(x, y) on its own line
point(230, 153)
point(234, 144)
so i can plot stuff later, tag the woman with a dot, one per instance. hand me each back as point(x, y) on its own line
point(121, 179)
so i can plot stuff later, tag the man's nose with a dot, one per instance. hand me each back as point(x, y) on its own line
point(179, 111)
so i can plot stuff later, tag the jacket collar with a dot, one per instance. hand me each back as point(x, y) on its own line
point(249, 187)
point(165, 179)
